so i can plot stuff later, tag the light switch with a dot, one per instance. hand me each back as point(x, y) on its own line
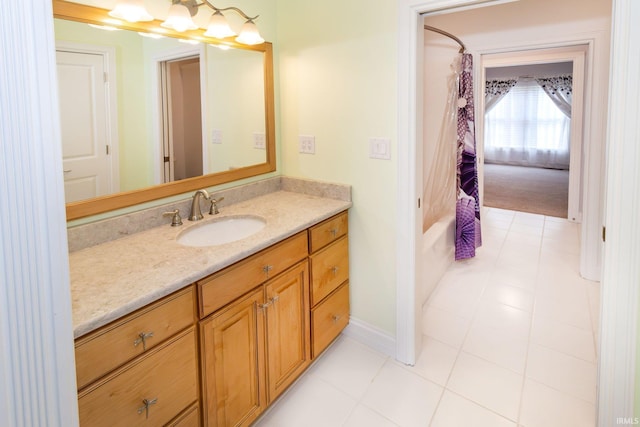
point(380, 148)
point(216, 136)
point(259, 141)
point(307, 144)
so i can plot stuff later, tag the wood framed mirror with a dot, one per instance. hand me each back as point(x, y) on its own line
point(261, 139)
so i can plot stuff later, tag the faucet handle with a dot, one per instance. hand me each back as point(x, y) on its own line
point(176, 219)
point(213, 210)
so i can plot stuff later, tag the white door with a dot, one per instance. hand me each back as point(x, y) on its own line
point(84, 125)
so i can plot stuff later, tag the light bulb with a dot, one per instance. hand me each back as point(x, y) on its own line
point(218, 27)
point(249, 34)
point(179, 19)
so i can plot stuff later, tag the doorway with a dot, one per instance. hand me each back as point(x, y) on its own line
point(178, 85)
point(523, 67)
point(87, 98)
point(486, 38)
point(182, 118)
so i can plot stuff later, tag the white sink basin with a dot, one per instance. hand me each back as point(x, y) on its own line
point(224, 230)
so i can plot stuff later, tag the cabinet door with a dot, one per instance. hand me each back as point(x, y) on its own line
point(288, 330)
point(233, 363)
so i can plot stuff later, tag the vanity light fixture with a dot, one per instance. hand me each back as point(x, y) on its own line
point(180, 19)
point(249, 34)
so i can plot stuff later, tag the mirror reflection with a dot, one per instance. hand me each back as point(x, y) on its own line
point(139, 111)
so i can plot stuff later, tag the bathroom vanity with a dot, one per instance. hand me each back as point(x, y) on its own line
point(168, 334)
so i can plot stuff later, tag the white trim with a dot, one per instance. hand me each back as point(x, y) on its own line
point(573, 51)
point(37, 371)
point(621, 272)
point(371, 336)
point(108, 54)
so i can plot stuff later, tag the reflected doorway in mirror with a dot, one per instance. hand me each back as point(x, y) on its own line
point(88, 128)
point(181, 124)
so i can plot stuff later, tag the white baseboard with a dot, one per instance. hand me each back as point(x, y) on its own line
point(371, 336)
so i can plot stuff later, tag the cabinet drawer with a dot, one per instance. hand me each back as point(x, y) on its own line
point(329, 318)
point(329, 269)
point(166, 377)
point(190, 418)
point(221, 288)
point(327, 231)
point(104, 350)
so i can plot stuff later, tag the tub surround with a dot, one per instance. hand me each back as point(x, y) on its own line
point(121, 275)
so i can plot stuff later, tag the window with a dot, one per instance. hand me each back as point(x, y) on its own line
point(526, 128)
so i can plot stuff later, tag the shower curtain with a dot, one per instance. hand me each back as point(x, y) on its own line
point(440, 189)
point(468, 235)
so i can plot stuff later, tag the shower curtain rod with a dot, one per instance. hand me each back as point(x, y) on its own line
point(451, 36)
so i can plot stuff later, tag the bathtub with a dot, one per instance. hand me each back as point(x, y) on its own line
point(437, 254)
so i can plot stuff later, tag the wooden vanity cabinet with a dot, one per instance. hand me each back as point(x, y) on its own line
point(253, 348)
point(329, 260)
point(155, 379)
point(259, 323)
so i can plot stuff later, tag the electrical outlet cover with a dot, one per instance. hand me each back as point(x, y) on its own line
point(307, 144)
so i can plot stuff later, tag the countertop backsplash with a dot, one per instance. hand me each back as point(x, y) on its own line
point(95, 233)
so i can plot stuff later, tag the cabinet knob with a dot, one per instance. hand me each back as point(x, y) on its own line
point(146, 404)
point(336, 317)
point(334, 232)
point(267, 269)
point(334, 269)
point(142, 339)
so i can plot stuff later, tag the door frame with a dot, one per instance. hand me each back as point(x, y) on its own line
point(108, 54)
point(619, 300)
point(156, 99)
point(575, 53)
point(410, 126)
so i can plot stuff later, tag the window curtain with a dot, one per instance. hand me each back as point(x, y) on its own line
point(527, 128)
point(495, 90)
point(559, 89)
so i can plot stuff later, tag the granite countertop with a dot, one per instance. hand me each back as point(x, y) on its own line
point(113, 279)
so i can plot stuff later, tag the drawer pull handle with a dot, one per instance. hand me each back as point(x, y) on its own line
point(267, 269)
point(334, 232)
point(147, 404)
point(269, 303)
point(334, 269)
point(142, 339)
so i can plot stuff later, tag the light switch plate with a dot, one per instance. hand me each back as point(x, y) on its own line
point(259, 141)
point(216, 136)
point(307, 144)
point(380, 148)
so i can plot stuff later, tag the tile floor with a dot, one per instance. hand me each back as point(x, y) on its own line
point(509, 340)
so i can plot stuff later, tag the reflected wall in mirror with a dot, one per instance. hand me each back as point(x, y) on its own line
point(179, 115)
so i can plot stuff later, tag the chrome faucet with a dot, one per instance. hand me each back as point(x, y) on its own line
point(196, 213)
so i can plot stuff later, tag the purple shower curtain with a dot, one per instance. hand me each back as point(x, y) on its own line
point(468, 236)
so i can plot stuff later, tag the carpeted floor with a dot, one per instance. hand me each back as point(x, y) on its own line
point(525, 189)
